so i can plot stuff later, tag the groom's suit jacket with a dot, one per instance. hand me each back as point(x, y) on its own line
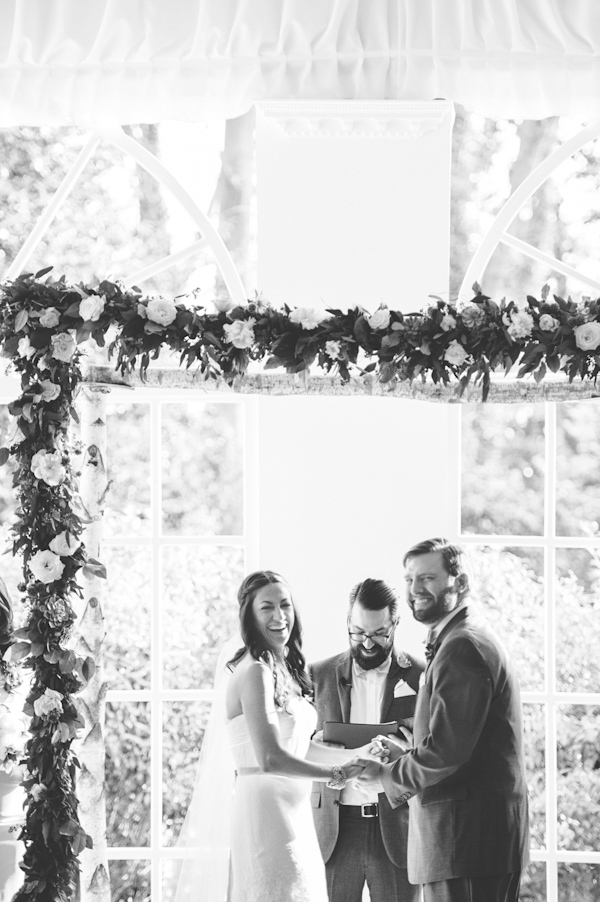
point(465, 774)
point(332, 683)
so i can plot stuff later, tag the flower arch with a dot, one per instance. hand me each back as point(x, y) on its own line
point(44, 327)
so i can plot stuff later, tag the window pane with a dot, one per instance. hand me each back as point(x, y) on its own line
point(128, 773)
point(578, 614)
point(128, 502)
point(533, 883)
point(535, 763)
point(200, 611)
point(578, 883)
point(502, 461)
point(577, 469)
point(578, 732)
point(508, 587)
point(129, 881)
point(183, 729)
point(202, 469)
point(126, 604)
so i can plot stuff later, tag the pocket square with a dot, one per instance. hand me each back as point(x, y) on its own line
point(402, 688)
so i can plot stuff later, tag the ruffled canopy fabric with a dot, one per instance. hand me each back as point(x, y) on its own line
point(120, 61)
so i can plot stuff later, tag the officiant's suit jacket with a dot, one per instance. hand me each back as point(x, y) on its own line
point(332, 683)
point(465, 774)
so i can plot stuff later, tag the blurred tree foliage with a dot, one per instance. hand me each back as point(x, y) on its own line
point(113, 222)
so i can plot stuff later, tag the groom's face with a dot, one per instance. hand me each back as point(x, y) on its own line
point(371, 636)
point(431, 592)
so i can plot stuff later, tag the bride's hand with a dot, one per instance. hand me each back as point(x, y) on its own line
point(354, 769)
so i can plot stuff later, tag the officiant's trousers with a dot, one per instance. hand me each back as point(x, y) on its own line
point(495, 888)
point(360, 856)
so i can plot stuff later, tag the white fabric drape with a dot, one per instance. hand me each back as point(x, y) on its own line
point(119, 61)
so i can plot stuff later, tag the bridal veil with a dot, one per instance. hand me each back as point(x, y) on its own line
point(202, 874)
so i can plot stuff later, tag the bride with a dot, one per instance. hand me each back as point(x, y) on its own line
point(269, 720)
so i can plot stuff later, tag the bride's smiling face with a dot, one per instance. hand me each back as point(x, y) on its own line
point(273, 612)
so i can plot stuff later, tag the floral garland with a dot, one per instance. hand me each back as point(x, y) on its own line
point(44, 329)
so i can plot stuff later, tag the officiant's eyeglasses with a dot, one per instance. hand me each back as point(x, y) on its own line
point(378, 634)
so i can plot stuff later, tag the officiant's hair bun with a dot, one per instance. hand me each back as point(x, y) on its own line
point(375, 595)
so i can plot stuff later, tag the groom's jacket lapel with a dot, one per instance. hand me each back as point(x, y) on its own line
point(344, 686)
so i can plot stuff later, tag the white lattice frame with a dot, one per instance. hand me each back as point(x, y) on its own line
point(497, 233)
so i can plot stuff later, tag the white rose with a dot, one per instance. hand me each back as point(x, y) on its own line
point(587, 336)
point(332, 349)
point(223, 305)
point(240, 333)
point(50, 390)
point(37, 790)
point(548, 323)
point(63, 346)
point(162, 311)
point(455, 354)
point(47, 465)
point(307, 317)
point(92, 307)
point(24, 348)
point(521, 325)
point(380, 319)
point(50, 701)
point(46, 566)
point(50, 318)
point(64, 544)
point(448, 322)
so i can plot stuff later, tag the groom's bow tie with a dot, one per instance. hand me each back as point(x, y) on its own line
point(430, 648)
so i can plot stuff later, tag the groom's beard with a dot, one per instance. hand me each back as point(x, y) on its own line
point(369, 662)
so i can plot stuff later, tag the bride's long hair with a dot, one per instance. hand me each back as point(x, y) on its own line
point(254, 642)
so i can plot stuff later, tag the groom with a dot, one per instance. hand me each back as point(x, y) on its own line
point(465, 775)
point(363, 837)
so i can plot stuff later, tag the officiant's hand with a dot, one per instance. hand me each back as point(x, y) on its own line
point(370, 778)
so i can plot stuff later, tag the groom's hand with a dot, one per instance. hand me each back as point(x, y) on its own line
point(370, 778)
point(395, 745)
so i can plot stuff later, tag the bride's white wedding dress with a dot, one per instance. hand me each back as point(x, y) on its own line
point(275, 855)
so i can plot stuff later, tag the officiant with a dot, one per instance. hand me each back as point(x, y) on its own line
point(362, 838)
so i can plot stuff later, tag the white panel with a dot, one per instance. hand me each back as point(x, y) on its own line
point(346, 486)
point(353, 202)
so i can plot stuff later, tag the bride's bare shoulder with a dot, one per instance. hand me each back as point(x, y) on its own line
point(247, 672)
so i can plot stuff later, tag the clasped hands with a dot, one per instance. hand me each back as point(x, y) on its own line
point(382, 750)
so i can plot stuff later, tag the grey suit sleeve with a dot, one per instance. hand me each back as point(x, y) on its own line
point(461, 693)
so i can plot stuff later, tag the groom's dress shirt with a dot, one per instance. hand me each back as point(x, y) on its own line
point(366, 699)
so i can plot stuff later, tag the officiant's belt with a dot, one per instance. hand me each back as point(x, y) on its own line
point(370, 810)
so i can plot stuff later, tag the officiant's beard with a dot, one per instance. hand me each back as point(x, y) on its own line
point(370, 662)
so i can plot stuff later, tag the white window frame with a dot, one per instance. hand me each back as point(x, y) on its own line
point(156, 853)
point(549, 697)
